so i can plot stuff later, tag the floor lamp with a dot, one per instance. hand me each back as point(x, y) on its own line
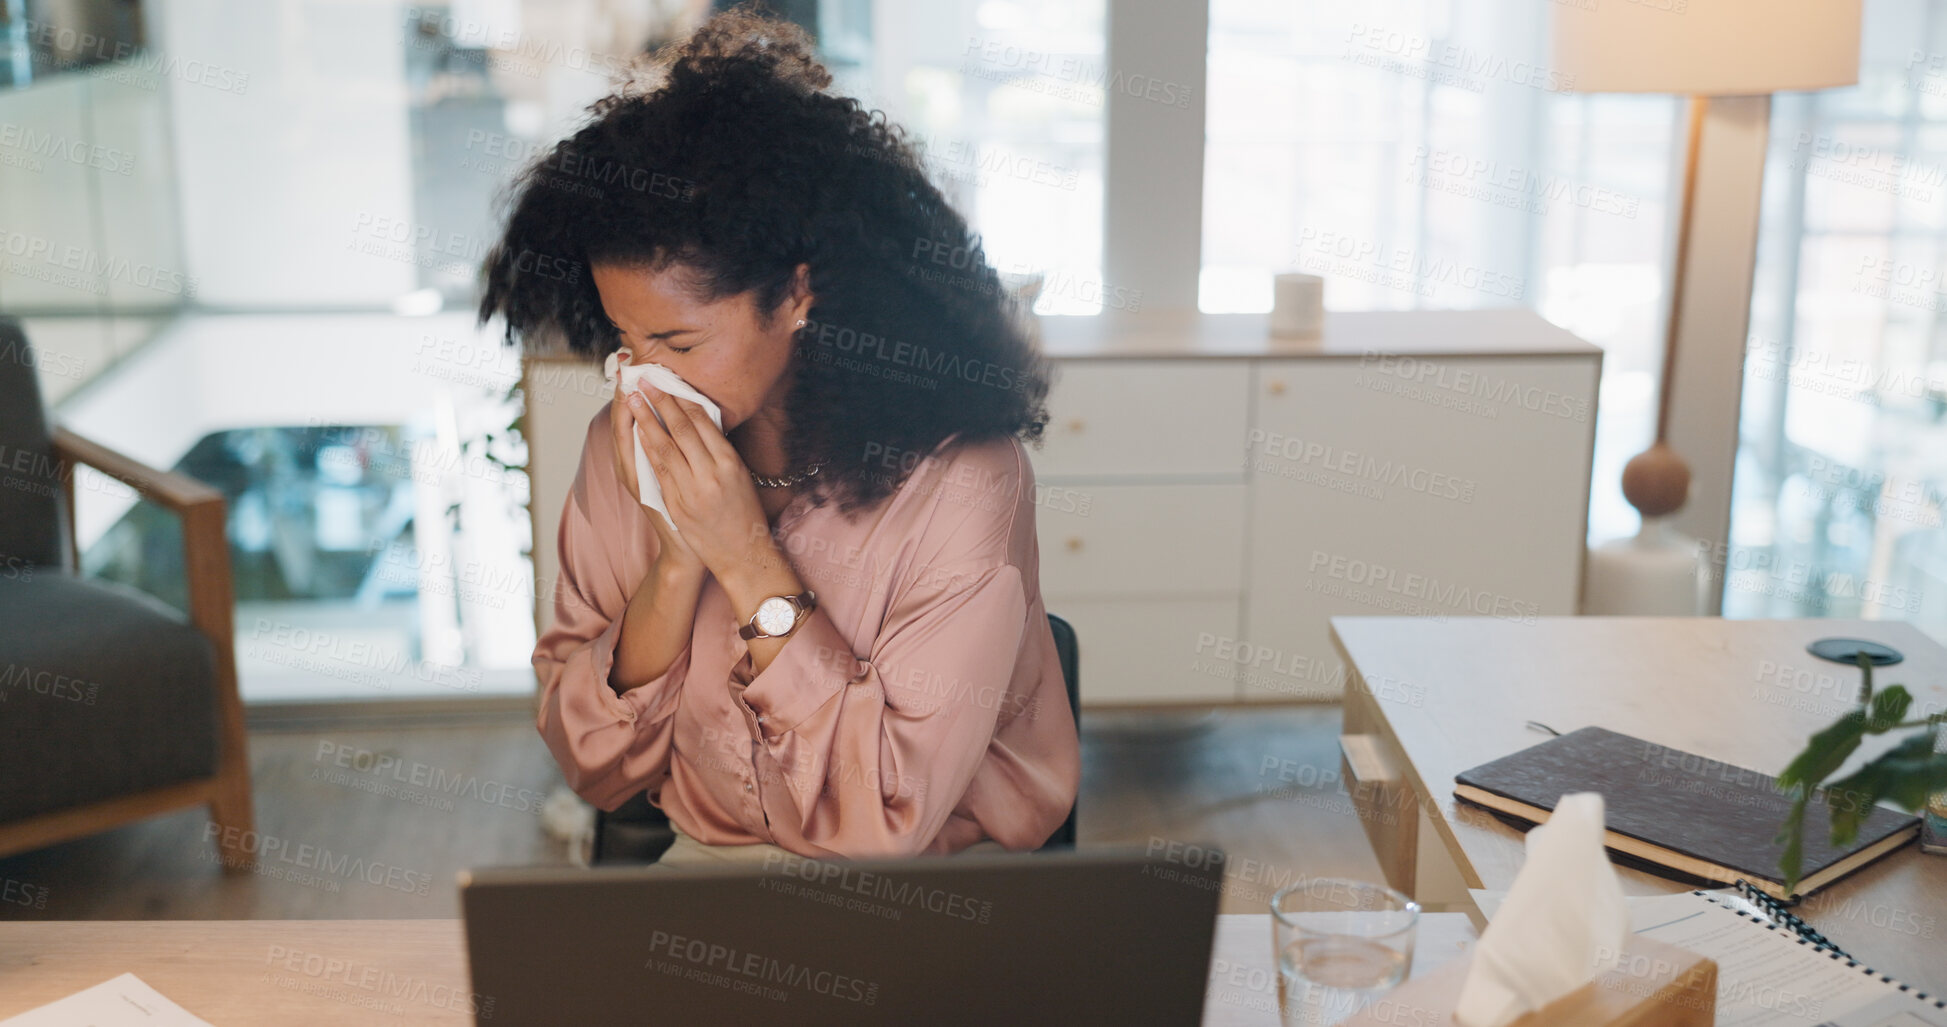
point(1699, 49)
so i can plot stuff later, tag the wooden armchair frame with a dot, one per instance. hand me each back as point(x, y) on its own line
point(206, 560)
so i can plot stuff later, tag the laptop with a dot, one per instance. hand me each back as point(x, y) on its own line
point(1106, 935)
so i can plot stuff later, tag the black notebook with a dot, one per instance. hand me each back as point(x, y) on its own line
point(1676, 814)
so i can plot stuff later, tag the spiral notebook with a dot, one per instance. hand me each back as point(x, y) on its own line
point(1774, 968)
point(1759, 905)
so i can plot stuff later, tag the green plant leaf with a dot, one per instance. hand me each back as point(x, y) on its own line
point(1825, 752)
point(1888, 709)
point(1793, 835)
point(1905, 775)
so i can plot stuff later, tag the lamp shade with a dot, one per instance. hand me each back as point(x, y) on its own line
point(1707, 47)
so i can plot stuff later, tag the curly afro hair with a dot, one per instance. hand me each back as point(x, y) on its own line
point(730, 160)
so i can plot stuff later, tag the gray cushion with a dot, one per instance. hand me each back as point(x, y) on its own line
point(103, 692)
point(30, 511)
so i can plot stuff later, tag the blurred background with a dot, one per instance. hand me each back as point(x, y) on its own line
point(244, 239)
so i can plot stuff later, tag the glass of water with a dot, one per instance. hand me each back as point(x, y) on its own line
point(1340, 944)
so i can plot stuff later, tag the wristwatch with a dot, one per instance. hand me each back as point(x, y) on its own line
point(778, 616)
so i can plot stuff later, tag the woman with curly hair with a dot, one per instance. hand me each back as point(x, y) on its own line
point(836, 643)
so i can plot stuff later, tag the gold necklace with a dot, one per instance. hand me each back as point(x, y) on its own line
point(786, 482)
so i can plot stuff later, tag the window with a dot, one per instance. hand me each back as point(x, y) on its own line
point(1355, 141)
point(1842, 461)
point(1004, 97)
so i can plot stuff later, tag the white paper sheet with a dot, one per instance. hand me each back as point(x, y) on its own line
point(124, 1001)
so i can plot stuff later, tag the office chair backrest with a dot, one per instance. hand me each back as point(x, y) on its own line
point(1068, 648)
point(30, 484)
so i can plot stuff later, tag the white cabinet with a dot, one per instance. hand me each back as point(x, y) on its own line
point(1149, 564)
point(1464, 496)
point(1241, 493)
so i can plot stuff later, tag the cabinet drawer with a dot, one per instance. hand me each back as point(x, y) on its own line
point(1384, 803)
point(1141, 540)
point(1138, 651)
point(1460, 493)
point(1145, 417)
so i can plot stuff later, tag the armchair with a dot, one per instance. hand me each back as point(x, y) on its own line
point(113, 706)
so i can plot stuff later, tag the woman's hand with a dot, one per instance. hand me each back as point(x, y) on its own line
point(705, 484)
point(673, 556)
point(715, 508)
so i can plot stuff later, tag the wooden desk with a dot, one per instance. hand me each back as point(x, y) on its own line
point(302, 972)
point(1427, 699)
point(294, 972)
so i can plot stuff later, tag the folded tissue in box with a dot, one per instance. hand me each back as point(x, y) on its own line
point(1564, 922)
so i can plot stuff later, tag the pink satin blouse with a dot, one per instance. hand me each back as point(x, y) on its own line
point(919, 709)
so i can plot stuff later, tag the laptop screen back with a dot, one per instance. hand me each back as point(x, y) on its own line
point(1101, 936)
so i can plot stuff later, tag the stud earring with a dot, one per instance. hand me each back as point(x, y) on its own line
point(801, 322)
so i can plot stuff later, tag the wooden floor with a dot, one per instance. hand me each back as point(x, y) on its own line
point(375, 822)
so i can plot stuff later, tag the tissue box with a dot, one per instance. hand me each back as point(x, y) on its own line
point(1653, 985)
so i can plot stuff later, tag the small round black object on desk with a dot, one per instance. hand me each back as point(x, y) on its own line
point(1847, 650)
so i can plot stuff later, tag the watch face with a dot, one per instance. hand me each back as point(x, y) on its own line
point(775, 615)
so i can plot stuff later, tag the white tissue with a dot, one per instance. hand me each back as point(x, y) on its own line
point(621, 376)
point(1563, 924)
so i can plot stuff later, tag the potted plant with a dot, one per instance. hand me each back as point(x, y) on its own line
point(1905, 775)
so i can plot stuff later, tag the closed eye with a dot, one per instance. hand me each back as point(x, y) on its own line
point(661, 337)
